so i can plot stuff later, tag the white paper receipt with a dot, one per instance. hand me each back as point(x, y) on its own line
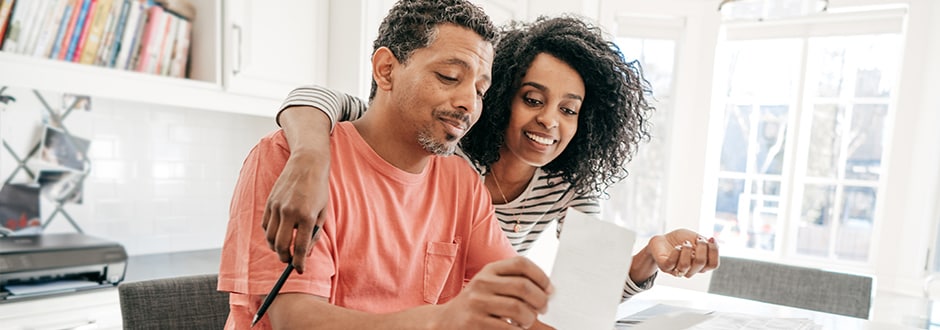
point(589, 272)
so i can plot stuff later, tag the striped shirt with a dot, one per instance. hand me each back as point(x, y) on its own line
point(546, 199)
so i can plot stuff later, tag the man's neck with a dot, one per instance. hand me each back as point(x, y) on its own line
point(392, 140)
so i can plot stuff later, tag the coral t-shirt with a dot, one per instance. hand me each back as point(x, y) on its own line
point(392, 239)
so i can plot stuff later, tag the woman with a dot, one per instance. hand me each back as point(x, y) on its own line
point(563, 116)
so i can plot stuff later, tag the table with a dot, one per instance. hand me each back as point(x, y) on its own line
point(712, 302)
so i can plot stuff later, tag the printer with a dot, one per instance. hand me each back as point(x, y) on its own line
point(46, 264)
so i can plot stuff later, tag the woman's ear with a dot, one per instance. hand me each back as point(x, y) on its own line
point(383, 63)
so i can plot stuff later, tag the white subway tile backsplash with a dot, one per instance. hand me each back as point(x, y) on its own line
point(161, 177)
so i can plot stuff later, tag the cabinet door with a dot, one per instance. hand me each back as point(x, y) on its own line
point(274, 46)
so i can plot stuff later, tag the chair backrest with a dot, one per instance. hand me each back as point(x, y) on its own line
point(801, 287)
point(189, 302)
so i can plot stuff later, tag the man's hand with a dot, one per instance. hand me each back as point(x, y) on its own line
point(507, 294)
point(684, 253)
point(300, 195)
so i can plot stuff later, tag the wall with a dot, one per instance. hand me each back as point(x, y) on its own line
point(161, 177)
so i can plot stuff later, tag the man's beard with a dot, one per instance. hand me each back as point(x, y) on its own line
point(432, 145)
point(442, 148)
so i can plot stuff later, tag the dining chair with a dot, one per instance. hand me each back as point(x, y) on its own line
point(794, 286)
point(187, 302)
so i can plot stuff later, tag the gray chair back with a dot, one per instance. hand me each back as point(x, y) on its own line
point(801, 287)
point(189, 302)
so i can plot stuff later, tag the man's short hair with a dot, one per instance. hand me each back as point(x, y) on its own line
point(412, 24)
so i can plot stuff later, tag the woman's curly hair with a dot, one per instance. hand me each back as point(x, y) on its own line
point(614, 116)
point(412, 24)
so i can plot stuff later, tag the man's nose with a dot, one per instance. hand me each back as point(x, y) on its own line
point(465, 99)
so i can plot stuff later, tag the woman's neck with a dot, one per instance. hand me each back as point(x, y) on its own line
point(508, 178)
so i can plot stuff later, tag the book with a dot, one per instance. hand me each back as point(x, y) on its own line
point(92, 40)
point(63, 26)
point(134, 54)
point(83, 24)
point(166, 49)
point(32, 26)
point(6, 8)
point(131, 28)
point(114, 44)
point(180, 58)
point(15, 36)
point(152, 39)
point(107, 36)
point(50, 28)
point(77, 7)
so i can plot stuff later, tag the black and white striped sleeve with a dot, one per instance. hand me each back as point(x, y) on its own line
point(336, 105)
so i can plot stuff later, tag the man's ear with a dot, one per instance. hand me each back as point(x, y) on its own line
point(383, 63)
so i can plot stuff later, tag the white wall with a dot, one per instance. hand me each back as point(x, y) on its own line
point(162, 177)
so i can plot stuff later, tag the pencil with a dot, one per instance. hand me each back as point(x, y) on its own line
point(277, 286)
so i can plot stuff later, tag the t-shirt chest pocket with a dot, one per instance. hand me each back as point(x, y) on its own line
point(439, 262)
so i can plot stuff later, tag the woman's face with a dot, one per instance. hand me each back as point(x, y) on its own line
point(545, 111)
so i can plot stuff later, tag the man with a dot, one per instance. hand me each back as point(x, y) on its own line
point(405, 228)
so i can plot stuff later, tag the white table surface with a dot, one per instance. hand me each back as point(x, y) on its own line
point(712, 302)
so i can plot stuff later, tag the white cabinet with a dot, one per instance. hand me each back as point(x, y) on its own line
point(274, 46)
point(94, 309)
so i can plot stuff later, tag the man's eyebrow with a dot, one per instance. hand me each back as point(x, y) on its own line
point(543, 89)
point(456, 61)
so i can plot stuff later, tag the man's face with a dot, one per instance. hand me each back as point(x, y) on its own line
point(439, 90)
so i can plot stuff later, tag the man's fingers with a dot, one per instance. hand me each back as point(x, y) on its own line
point(284, 237)
point(522, 266)
point(520, 279)
point(270, 231)
point(303, 241)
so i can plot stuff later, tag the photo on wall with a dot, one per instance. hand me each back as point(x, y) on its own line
point(61, 186)
point(19, 209)
point(62, 151)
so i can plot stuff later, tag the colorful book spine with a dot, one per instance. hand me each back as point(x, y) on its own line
point(131, 28)
point(6, 9)
point(70, 30)
point(63, 26)
point(89, 48)
point(138, 37)
point(152, 39)
point(181, 52)
point(118, 35)
point(50, 29)
point(79, 39)
point(107, 36)
point(15, 33)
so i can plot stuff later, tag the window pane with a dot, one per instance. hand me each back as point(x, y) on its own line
point(734, 146)
point(825, 141)
point(748, 220)
point(876, 64)
point(764, 68)
point(862, 66)
point(858, 214)
point(829, 79)
point(866, 142)
point(771, 138)
point(728, 196)
point(815, 220)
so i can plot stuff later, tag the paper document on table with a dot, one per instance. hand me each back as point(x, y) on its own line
point(668, 317)
point(591, 266)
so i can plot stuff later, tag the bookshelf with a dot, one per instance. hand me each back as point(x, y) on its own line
point(270, 29)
